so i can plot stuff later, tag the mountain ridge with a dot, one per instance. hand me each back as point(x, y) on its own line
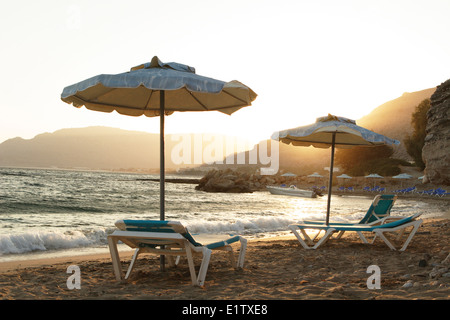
point(108, 148)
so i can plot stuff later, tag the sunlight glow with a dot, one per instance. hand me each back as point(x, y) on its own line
point(304, 59)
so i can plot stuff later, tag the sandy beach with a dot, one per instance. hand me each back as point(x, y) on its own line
point(275, 269)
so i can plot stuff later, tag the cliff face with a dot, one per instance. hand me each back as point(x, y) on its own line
point(393, 118)
point(436, 151)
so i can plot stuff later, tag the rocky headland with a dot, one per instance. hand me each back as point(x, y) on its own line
point(435, 152)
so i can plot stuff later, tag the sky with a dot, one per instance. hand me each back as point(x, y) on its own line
point(304, 58)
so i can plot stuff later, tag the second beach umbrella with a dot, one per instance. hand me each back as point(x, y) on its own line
point(332, 131)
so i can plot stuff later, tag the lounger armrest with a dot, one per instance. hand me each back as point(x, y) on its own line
point(391, 219)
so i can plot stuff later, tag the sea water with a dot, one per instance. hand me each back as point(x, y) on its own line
point(54, 213)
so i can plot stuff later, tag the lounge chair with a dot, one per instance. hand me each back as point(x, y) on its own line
point(169, 238)
point(379, 208)
point(399, 224)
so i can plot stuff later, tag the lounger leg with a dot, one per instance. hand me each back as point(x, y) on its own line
point(133, 261)
point(317, 234)
point(381, 235)
point(243, 249)
point(340, 235)
point(299, 238)
point(171, 261)
point(400, 234)
point(374, 238)
point(325, 238)
point(361, 236)
point(411, 235)
point(190, 260)
point(302, 241)
point(112, 244)
point(307, 238)
point(204, 266)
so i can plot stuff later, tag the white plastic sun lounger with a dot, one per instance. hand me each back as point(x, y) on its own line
point(400, 224)
point(378, 212)
point(169, 238)
point(379, 208)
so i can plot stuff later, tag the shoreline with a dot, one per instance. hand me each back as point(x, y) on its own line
point(338, 270)
point(33, 258)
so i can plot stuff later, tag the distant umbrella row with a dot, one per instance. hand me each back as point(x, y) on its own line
point(438, 192)
point(346, 176)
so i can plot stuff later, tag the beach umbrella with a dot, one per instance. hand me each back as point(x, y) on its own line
point(288, 174)
point(344, 176)
point(158, 89)
point(373, 176)
point(402, 176)
point(315, 175)
point(334, 132)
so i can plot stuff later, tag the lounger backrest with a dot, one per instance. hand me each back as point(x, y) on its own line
point(156, 226)
point(380, 208)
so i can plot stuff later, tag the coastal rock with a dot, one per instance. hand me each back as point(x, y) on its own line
point(435, 152)
point(408, 284)
point(224, 181)
point(437, 272)
point(235, 181)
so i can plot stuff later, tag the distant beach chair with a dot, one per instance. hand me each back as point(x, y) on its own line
point(430, 192)
point(169, 238)
point(398, 224)
point(350, 189)
point(366, 189)
point(439, 192)
point(379, 209)
point(409, 190)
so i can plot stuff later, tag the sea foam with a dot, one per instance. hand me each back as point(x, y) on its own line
point(49, 240)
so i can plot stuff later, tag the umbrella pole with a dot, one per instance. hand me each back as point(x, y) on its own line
point(161, 157)
point(161, 166)
point(330, 183)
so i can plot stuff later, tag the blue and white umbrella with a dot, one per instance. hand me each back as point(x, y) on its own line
point(334, 132)
point(402, 176)
point(158, 89)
